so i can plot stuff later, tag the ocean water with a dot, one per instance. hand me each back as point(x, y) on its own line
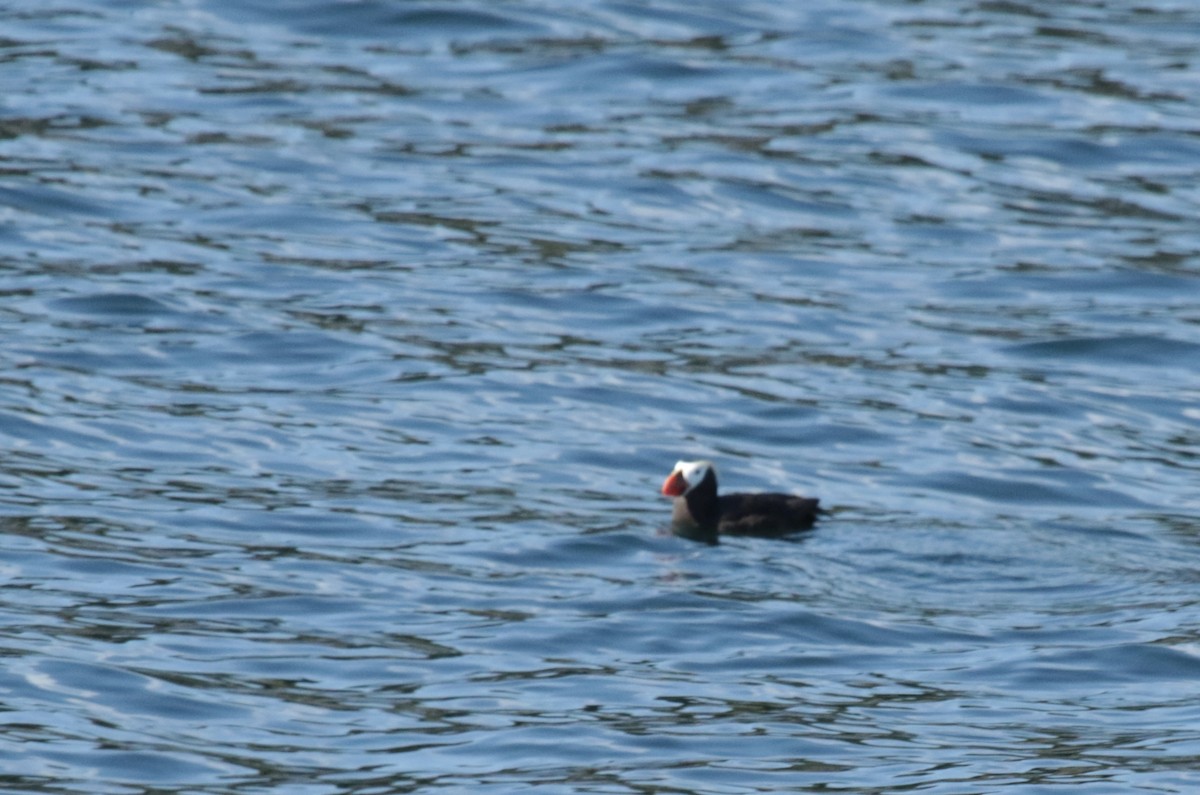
point(347, 343)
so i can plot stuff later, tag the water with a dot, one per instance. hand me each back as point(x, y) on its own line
point(346, 345)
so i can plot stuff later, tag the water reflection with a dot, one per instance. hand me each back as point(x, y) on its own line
point(344, 346)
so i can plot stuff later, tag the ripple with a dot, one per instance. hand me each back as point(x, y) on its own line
point(347, 345)
point(1129, 351)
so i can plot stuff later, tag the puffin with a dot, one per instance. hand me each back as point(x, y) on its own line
point(703, 515)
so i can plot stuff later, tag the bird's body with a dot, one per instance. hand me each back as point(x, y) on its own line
point(703, 514)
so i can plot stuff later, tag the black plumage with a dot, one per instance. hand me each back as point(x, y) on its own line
point(701, 513)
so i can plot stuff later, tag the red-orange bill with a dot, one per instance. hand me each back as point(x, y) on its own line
point(674, 485)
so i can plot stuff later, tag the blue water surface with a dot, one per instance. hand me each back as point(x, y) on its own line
point(346, 346)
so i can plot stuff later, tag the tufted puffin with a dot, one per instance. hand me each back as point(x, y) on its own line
point(702, 515)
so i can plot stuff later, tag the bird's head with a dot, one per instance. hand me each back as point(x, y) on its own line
point(686, 476)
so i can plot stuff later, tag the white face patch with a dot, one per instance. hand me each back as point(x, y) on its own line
point(693, 472)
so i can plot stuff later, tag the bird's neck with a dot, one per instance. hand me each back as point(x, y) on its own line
point(687, 525)
point(704, 508)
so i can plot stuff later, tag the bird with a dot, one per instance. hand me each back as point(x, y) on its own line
point(701, 514)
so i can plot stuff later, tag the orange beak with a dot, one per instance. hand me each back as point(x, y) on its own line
point(674, 485)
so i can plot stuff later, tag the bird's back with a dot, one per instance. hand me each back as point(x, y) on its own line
point(766, 514)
